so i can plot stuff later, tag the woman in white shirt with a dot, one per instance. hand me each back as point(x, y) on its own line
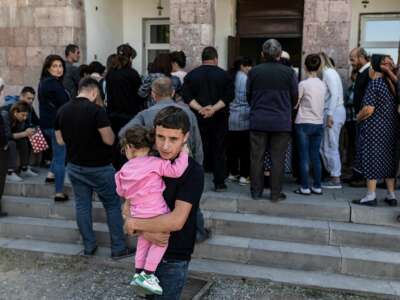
point(334, 119)
point(178, 59)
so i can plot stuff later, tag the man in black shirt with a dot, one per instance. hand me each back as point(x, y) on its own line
point(3, 154)
point(85, 129)
point(360, 62)
point(208, 90)
point(182, 196)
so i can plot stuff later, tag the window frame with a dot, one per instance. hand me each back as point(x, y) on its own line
point(147, 45)
point(364, 18)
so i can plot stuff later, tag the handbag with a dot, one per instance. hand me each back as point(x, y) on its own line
point(38, 142)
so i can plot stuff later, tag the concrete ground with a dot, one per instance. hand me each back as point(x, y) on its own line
point(25, 275)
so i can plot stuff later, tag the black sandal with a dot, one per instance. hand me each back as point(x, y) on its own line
point(49, 180)
point(299, 192)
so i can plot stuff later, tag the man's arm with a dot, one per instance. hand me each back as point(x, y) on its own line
point(59, 138)
point(174, 221)
point(107, 135)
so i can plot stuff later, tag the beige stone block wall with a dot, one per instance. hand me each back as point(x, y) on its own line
point(327, 25)
point(192, 27)
point(32, 29)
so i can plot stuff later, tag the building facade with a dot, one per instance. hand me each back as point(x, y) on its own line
point(32, 29)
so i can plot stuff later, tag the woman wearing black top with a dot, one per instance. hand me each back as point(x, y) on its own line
point(122, 84)
point(52, 96)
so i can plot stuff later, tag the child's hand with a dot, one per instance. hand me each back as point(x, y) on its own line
point(125, 210)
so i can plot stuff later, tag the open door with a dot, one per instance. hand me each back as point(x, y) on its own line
point(233, 49)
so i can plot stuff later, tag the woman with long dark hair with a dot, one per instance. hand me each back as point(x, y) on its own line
point(122, 85)
point(162, 66)
point(238, 151)
point(52, 95)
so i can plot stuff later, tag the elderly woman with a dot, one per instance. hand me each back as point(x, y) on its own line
point(379, 133)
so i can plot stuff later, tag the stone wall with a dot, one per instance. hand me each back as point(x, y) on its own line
point(32, 29)
point(327, 28)
point(192, 27)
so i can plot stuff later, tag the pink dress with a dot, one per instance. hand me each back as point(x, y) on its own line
point(140, 182)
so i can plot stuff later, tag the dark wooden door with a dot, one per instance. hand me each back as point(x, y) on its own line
point(270, 18)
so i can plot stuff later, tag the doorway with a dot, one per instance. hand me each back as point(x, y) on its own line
point(258, 21)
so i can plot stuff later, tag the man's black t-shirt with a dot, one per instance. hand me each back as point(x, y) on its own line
point(79, 121)
point(188, 188)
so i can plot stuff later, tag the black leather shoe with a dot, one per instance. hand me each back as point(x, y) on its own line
point(125, 253)
point(278, 198)
point(390, 202)
point(368, 203)
point(3, 214)
point(220, 187)
point(49, 180)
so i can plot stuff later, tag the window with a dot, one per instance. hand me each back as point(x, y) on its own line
point(381, 34)
point(156, 40)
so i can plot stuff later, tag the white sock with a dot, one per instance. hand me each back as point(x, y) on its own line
point(391, 195)
point(369, 197)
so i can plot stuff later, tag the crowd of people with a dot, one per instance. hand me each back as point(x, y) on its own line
point(147, 139)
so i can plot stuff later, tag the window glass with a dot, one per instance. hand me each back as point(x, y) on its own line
point(382, 30)
point(159, 34)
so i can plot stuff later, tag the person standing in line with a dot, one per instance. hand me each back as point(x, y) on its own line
point(379, 133)
point(272, 92)
point(308, 125)
point(208, 90)
point(359, 61)
point(52, 95)
point(123, 101)
point(238, 150)
point(334, 119)
point(71, 76)
point(84, 128)
point(3, 154)
point(178, 59)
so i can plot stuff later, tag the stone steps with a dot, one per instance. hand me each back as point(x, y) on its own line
point(237, 224)
point(335, 206)
point(384, 289)
point(269, 253)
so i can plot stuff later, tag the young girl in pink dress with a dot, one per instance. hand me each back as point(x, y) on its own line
point(140, 183)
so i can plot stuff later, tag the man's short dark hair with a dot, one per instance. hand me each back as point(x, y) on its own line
point(173, 117)
point(88, 83)
point(71, 48)
point(313, 62)
point(209, 53)
point(28, 89)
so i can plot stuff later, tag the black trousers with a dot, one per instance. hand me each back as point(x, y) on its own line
point(213, 135)
point(238, 153)
point(277, 144)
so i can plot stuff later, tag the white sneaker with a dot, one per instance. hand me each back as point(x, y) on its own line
point(14, 178)
point(133, 283)
point(149, 282)
point(29, 173)
point(244, 181)
point(233, 178)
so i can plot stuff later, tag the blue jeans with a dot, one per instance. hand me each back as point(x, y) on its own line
point(309, 137)
point(85, 181)
point(172, 274)
point(57, 166)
